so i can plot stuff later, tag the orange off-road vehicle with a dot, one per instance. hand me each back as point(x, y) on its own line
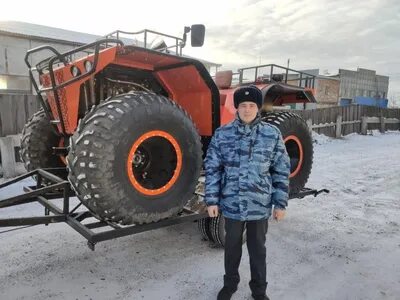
point(129, 126)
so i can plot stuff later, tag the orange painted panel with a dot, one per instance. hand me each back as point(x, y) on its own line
point(188, 89)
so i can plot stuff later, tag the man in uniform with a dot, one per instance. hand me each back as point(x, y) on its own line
point(247, 173)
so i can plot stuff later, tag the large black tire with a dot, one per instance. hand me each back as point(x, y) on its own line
point(37, 142)
point(204, 227)
point(99, 159)
point(297, 135)
point(217, 228)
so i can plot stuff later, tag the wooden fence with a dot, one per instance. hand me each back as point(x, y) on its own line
point(15, 111)
point(343, 120)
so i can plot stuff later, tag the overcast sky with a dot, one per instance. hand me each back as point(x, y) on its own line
point(323, 34)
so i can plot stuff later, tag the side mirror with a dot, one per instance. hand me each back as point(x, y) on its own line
point(197, 35)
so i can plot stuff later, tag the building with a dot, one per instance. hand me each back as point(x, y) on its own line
point(363, 82)
point(363, 87)
point(16, 38)
point(326, 88)
point(327, 91)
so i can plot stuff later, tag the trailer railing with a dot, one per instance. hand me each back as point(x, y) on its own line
point(276, 73)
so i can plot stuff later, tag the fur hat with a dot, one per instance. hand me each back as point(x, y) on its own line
point(247, 93)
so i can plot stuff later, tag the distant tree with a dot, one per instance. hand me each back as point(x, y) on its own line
point(394, 100)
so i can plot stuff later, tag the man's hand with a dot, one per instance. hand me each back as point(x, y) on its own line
point(212, 211)
point(279, 214)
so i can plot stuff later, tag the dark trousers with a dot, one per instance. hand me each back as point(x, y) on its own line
point(256, 235)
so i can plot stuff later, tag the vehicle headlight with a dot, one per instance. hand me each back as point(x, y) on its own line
point(88, 65)
point(75, 71)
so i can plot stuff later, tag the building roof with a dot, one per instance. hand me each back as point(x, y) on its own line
point(330, 77)
point(41, 32)
point(53, 34)
point(363, 71)
point(315, 72)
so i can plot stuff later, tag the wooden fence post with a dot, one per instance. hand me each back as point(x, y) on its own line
point(309, 125)
point(382, 120)
point(338, 126)
point(364, 125)
point(8, 156)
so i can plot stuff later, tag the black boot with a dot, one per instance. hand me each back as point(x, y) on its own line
point(225, 293)
point(260, 297)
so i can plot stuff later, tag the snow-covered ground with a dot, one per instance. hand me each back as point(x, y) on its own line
point(344, 245)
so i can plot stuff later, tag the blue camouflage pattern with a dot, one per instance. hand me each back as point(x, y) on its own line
point(247, 170)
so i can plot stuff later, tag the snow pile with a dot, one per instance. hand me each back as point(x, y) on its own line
point(320, 139)
point(376, 132)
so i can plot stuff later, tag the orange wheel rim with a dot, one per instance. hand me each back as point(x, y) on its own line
point(294, 140)
point(142, 140)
